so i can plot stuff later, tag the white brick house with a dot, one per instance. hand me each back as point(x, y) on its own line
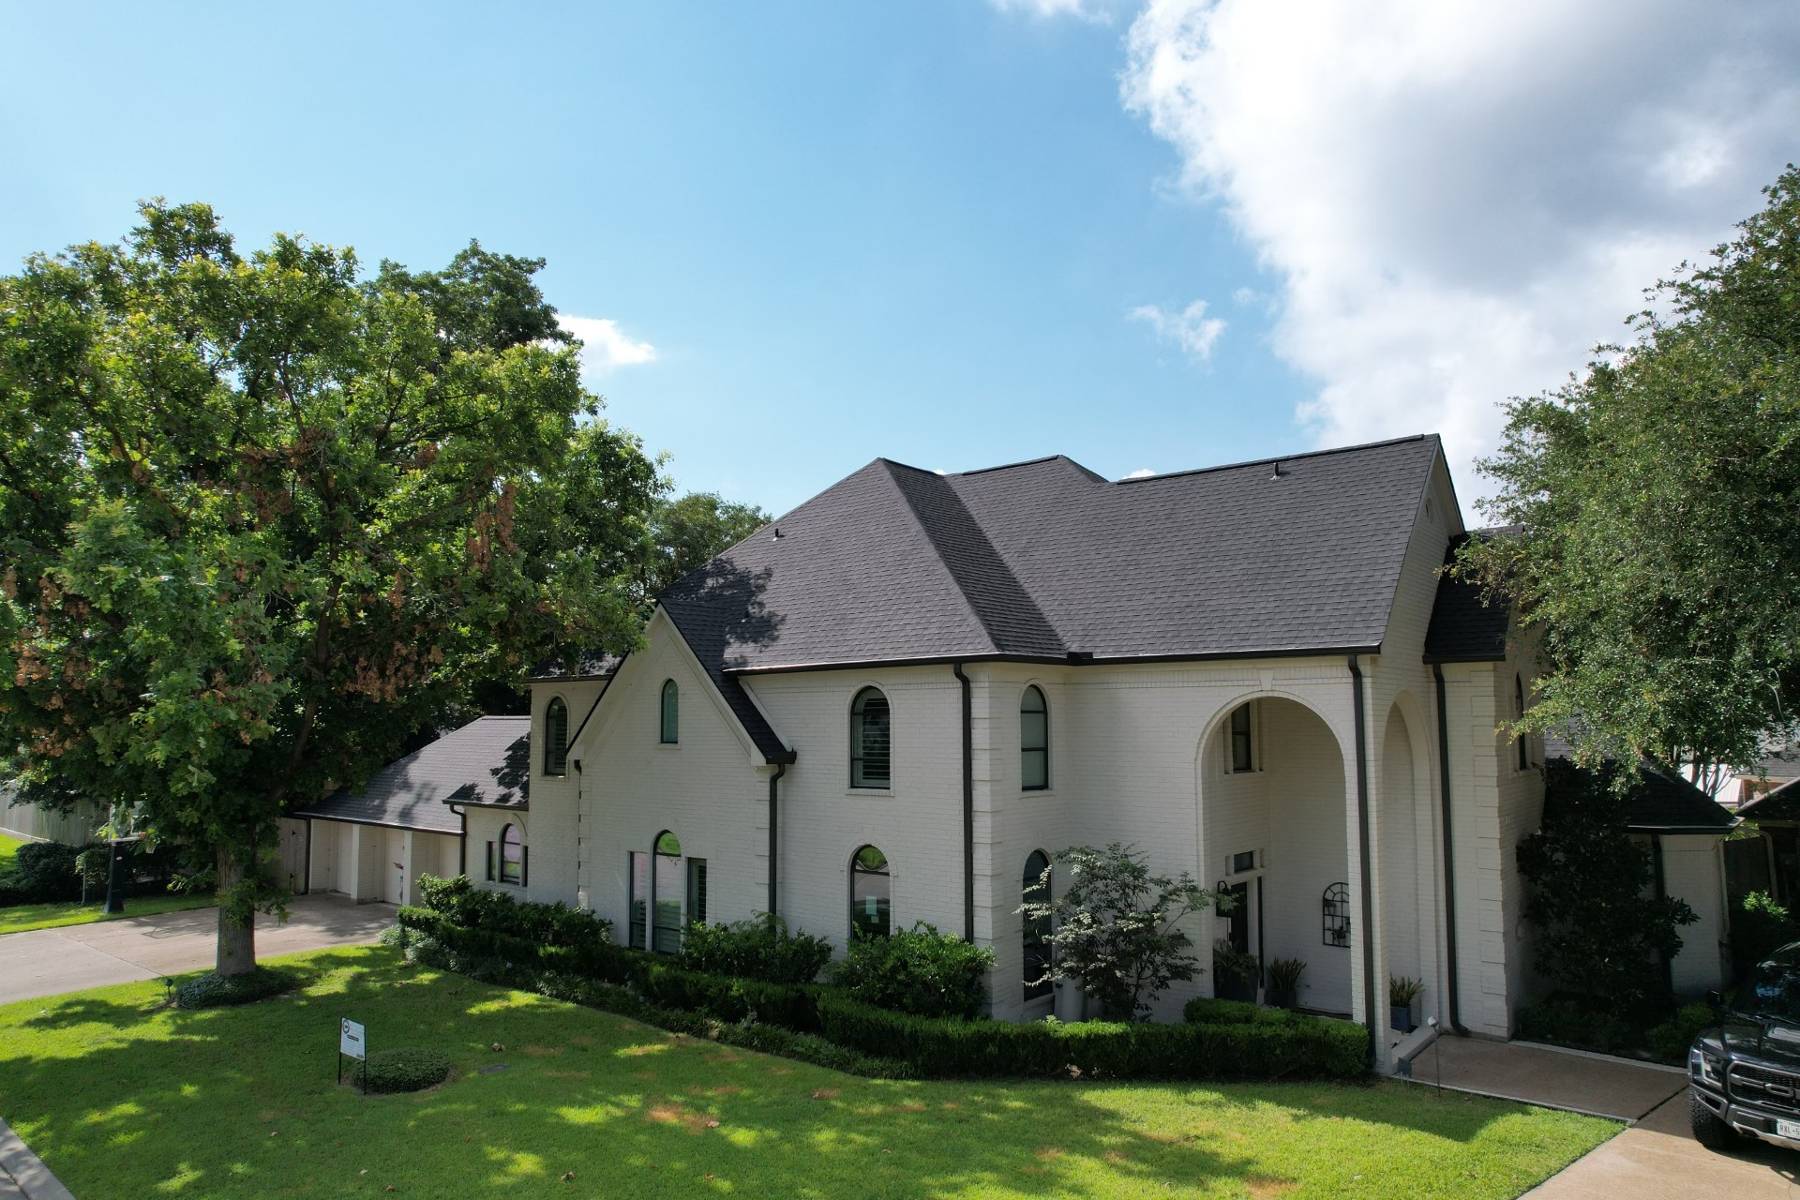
point(1252, 673)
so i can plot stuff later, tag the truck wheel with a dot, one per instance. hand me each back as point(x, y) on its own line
point(1709, 1130)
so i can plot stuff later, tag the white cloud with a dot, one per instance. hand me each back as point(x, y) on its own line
point(1191, 328)
point(1097, 11)
point(1141, 473)
point(1246, 295)
point(1454, 199)
point(606, 346)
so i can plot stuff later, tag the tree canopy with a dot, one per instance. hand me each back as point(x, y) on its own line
point(262, 518)
point(686, 532)
point(1657, 500)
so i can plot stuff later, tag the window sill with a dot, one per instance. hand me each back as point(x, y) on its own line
point(668, 745)
point(865, 793)
point(1037, 793)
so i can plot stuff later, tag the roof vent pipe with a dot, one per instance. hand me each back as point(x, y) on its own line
point(1277, 474)
point(778, 535)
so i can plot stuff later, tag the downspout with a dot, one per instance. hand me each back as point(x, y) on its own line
point(1450, 983)
point(306, 881)
point(579, 890)
point(774, 841)
point(968, 804)
point(1362, 831)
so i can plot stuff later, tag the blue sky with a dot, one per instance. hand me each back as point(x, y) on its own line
point(954, 233)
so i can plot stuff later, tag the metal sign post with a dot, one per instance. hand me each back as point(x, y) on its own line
point(353, 1043)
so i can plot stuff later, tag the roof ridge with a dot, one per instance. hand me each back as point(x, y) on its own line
point(937, 551)
point(1281, 458)
point(1025, 604)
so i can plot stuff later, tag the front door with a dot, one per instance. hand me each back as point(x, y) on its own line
point(1238, 919)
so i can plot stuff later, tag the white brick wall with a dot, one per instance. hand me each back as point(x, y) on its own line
point(1693, 871)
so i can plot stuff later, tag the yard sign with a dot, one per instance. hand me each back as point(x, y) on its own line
point(352, 1044)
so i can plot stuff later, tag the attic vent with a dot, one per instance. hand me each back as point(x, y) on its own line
point(1277, 474)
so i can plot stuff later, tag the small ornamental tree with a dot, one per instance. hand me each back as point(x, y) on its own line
point(1602, 933)
point(263, 518)
point(1115, 929)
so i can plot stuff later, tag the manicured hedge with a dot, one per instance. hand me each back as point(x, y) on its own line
point(218, 991)
point(1294, 1048)
point(826, 1025)
point(758, 948)
point(405, 1069)
point(917, 970)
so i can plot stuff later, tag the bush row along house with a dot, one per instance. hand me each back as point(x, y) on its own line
point(893, 703)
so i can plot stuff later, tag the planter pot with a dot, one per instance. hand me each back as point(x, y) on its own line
point(1400, 1017)
point(1230, 987)
point(1282, 998)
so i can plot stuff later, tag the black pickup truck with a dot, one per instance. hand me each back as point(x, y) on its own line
point(1744, 1072)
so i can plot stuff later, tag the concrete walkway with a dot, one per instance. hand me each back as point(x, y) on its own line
point(23, 1175)
point(1658, 1159)
point(48, 962)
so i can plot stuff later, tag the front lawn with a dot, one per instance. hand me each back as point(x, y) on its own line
point(20, 917)
point(9, 850)
point(123, 1098)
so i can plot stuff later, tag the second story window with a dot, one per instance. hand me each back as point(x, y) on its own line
point(671, 713)
point(1034, 741)
point(871, 741)
point(556, 737)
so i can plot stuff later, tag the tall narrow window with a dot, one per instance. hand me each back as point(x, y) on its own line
point(666, 903)
point(671, 713)
point(1242, 736)
point(1518, 712)
point(556, 737)
point(871, 894)
point(639, 897)
point(1037, 928)
point(871, 743)
point(1034, 741)
point(512, 855)
point(696, 908)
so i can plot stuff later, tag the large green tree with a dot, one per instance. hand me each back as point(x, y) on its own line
point(685, 532)
point(1657, 499)
point(262, 517)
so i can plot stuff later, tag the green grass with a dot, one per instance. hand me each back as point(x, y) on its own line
point(125, 1098)
point(9, 850)
point(20, 917)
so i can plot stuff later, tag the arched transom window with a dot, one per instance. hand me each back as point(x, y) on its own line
point(871, 894)
point(556, 737)
point(671, 713)
point(871, 740)
point(1034, 741)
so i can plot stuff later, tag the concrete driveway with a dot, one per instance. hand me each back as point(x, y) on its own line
point(1658, 1159)
point(48, 962)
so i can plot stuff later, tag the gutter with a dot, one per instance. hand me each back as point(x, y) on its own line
point(1362, 830)
point(774, 840)
point(968, 804)
point(1451, 998)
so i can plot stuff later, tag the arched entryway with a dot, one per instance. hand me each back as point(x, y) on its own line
point(1406, 871)
point(1274, 836)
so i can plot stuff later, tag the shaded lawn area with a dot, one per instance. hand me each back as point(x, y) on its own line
point(21, 917)
point(123, 1098)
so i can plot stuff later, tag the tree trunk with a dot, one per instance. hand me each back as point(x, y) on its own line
point(237, 936)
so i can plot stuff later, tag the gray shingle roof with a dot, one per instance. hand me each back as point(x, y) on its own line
point(1046, 560)
point(486, 762)
point(1660, 801)
point(1465, 625)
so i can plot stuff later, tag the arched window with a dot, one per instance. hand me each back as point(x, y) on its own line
point(665, 893)
point(871, 740)
point(1037, 926)
point(556, 737)
point(871, 894)
point(1518, 712)
point(512, 856)
point(1034, 741)
point(671, 713)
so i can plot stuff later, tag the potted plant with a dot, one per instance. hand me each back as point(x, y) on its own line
point(1284, 981)
point(1234, 973)
point(1403, 993)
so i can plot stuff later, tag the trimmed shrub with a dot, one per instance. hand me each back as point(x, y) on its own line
point(1567, 1021)
point(405, 1069)
point(1670, 1040)
point(548, 924)
point(46, 871)
point(1296, 1047)
point(218, 991)
point(917, 970)
point(759, 948)
point(1204, 1010)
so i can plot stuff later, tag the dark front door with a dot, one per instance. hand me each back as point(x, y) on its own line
point(1238, 920)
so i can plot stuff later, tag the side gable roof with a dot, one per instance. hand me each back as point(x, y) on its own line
point(1047, 561)
point(1661, 802)
point(1466, 625)
point(485, 763)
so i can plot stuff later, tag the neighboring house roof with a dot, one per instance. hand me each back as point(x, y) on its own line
point(1662, 802)
point(486, 763)
point(1780, 761)
point(1466, 626)
point(1781, 804)
point(1047, 561)
point(591, 664)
